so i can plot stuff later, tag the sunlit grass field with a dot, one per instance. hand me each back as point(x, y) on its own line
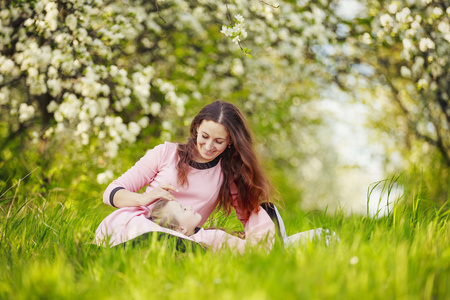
point(46, 253)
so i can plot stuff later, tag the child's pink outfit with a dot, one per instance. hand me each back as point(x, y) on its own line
point(158, 167)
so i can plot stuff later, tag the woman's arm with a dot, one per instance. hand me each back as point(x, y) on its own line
point(122, 192)
point(125, 198)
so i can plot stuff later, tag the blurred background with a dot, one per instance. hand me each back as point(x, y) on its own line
point(342, 96)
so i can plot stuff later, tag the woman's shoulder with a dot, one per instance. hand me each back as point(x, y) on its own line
point(166, 147)
point(165, 152)
point(171, 145)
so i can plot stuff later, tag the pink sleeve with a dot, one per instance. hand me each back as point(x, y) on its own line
point(258, 226)
point(138, 176)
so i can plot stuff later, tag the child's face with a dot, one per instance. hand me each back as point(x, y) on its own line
point(186, 216)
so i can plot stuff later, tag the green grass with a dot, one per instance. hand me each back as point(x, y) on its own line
point(45, 253)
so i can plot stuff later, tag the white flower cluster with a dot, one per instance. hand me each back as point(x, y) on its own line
point(89, 85)
point(141, 87)
point(410, 25)
point(425, 44)
point(168, 89)
point(63, 50)
point(237, 31)
point(26, 112)
point(386, 20)
point(4, 95)
point(105, 177)
point(51, 9)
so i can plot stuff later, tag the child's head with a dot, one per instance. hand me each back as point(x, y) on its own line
point(173, 215)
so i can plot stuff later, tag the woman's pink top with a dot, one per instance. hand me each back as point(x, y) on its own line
point(158, 167)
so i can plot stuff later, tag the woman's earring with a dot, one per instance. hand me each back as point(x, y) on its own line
point(229, 145)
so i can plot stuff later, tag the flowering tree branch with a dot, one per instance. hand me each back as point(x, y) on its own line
point(274, 6)
point(157, 9)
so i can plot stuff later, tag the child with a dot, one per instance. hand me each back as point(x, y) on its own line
point(128, 223)
point(174, 216)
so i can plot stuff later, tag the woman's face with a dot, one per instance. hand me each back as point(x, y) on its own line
point(212, 140)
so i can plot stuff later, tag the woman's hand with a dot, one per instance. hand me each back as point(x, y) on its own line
point(160, 192)
point(125, 198)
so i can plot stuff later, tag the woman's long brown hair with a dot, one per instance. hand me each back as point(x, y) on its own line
point(239, 163)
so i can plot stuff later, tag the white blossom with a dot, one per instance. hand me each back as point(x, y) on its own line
point(425, 44)
point(403, 15)
point(54, 86)
point(51, 16)
point(239, 18)
point(105, 177)
point(167, 125)
point(405, 72)
point(112, 149)
point(366, 38)
point(58, 117)
point(237, 31)
point(69, 108)
point(60, 128)
point(437, 11)
point(6, 65)
point(416, 23)
point(84, 138)
point(444, 27)
point(393, 7)
point(237, 68)
point(386, 20)
point(71, 22)
point(26, 112)
point(49, 132)
point(34, 137)
point(29, 22)
point(83, 126)
point(143, 122)
point(407, 44)
point(134, 129)
point(422, 83)
point(37, 85)
point(4, 95)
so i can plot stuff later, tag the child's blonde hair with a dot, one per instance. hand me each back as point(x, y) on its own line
point(156, 215)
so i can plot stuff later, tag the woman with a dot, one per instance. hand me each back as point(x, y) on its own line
point(217, 167)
